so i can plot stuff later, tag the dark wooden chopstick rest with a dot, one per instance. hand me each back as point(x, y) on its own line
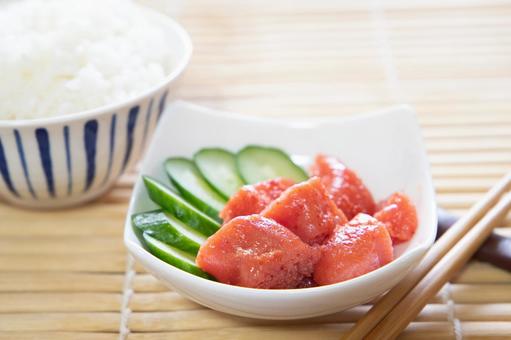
point(496, 250)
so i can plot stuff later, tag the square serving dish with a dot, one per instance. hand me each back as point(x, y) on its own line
point(386, 150)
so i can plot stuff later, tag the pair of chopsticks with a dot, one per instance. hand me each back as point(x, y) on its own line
point(396, 309)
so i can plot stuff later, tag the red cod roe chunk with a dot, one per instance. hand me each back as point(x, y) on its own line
point(344, 186)
point(257, 252)
point(306, 210)
point(398, 214)
point(356, 248)
point(252, 199)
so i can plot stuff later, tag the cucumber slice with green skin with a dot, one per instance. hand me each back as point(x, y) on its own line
point(178, 207)
point(218, 166)
point(173, 256)
point(259, 163)
point(167, 229)
point(193, 187)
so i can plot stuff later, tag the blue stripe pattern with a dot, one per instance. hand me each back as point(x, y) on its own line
point(43, 142)
point(68, 161)
point(90, 137)
point(163, 101)
point(147, 121)
point(60, 162)
point(4, 170)
point(113, 124)
point(21, 152)
point(132, 119)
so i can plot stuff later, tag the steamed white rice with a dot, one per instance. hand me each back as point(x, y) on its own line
point(66, 56)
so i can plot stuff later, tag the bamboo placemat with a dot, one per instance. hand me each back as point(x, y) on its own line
point(65, 274)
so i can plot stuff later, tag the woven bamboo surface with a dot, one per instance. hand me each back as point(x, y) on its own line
point(65, 274)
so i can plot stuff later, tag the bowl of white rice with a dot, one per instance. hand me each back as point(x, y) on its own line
point(83, 86)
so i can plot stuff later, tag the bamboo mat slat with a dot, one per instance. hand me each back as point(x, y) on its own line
point(417, 330)
point(63, 273)
point(41, 281)
point(59, 302)
point(31, 335)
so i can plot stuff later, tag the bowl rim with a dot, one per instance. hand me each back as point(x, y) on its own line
point(174, 27)
point(419, 250)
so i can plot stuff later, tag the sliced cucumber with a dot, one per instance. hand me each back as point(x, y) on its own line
point(167, 229)
point(173, 256)
point(193, 187)
point(178, 207)
point(259, 163)
point(218, 166)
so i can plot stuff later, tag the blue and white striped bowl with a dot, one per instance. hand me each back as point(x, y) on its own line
point(67, 160)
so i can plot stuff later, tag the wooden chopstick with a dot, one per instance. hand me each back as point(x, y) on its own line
point(410, 306)
point(435, 253)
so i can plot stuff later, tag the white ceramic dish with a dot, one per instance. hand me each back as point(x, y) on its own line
point(384, 148)
point(67, 160)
